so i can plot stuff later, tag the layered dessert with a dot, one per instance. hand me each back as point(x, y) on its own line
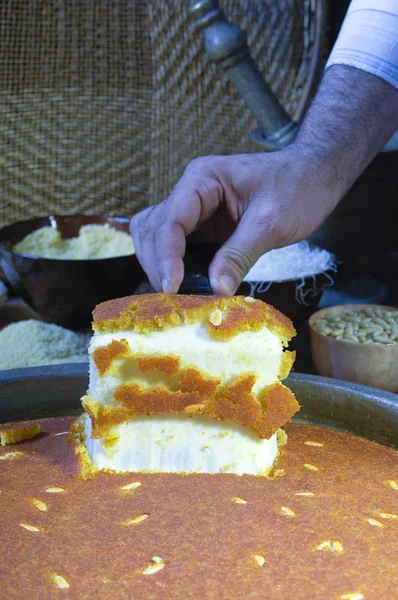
point(186, 384)
point(193, 385)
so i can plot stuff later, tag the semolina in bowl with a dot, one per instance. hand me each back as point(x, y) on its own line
point(357, 342)
point(63, 266)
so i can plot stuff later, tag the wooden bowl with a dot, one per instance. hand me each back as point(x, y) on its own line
point(371, 364)
point(66, 291)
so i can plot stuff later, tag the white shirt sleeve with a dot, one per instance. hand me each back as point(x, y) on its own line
point(368, 39)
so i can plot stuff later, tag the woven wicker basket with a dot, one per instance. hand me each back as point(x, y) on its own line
point(103, 102)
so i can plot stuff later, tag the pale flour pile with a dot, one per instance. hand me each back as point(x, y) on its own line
point(32, 343)
point(292, 262)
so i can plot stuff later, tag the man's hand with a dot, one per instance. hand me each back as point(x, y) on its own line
point(248, 203)
point(255, 202)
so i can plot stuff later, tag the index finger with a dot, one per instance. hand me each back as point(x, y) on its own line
point(191, 202)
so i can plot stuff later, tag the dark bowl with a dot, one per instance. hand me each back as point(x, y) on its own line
point(297, 299)
point(66, 291)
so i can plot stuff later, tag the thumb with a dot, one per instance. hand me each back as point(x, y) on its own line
point(236, 257)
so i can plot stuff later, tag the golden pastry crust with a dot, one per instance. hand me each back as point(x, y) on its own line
point(169, 366)
point(77, 454)
point(200, 395)
point(287, 361)
point(12, 433)
point(159, 312)
point(105, 356)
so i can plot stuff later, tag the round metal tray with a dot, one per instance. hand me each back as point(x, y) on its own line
point(56, 391)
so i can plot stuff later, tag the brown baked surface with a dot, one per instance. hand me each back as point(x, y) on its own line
point(157, 312)
point(211, 531)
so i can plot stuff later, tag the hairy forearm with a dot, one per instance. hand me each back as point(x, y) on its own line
point(351, 118)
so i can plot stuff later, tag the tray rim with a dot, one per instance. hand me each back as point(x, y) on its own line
point(343, 405)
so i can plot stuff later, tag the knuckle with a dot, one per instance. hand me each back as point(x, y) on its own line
point(271, 219)
point(242, 261)
point(139, 218)
point(135, 225)
point(194, 166)
point(200, 166)
point(153, 217)
point(206, 187)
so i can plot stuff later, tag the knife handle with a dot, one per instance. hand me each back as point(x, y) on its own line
point(197, 260)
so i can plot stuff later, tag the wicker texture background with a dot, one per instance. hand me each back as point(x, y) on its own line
point(103, 102)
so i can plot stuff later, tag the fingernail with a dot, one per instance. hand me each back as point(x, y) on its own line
point(165, 285)
point(227, 285)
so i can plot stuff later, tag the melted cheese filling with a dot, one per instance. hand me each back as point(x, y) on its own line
point(181, 444)
point(257, 352)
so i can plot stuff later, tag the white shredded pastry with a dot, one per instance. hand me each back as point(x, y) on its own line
point(292, 262)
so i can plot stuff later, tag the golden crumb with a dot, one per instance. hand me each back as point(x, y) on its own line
point(278, 473)
point(216, 318)
point(157, 565)
point(110, 444)
point(304, 494)
point(281, 437)
point(226, 468)
point(310, 467)
point(193, 408)
point(309, 443)
point(54, 490)
point(136, 520)
point(131, 486)
point(11, 455)
point(393, 484)
point(239, 500)
point(375, 523)
point(384, 515)
point(353, 596)
point(260, 560)
point(60, 581)
point(30, 527)
point(286, 364)
point(287, 512)
point(331, 546)
point(42, 506)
